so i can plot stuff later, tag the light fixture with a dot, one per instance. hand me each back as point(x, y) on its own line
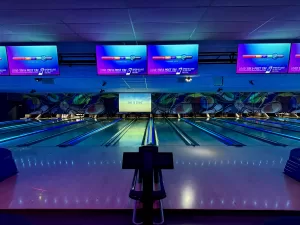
point(188, 79)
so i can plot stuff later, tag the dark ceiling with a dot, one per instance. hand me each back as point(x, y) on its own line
point(148, 20)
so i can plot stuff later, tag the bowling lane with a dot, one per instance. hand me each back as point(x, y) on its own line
point(231, 134)
point(198, 135)
point(14, 127)
point(273, 124)
point(72, 134)
point(31, 129)
point(271, 128)
point(258, 133)
point(166, 134)
point(104, 135)
point(134, 136)
point(44, 134)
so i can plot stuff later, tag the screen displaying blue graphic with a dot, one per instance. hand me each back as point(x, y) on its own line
point(33, 60)
point(172, 59)
point(121, 59)
point(263, 58)
point(4, 70)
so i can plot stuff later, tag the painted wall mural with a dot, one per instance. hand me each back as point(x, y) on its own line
point(107, 103)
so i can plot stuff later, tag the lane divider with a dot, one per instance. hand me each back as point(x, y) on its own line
point(54, 135)
point(40, 124)
point(260, 129)
point(82, 137)
point(226, 140)
point(38, 131)
point(186, 139)
point(275, 143)
point(268, 124)
point(118, 134)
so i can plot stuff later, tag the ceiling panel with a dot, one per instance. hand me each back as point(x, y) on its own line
point(56, 38)
point(289, 13)
point(31, 16)
point(98, 16)
point(280, 26)
point(216, 27)
point(162, 37)
point(274, 35)
point(167, 15)
point(217, 36)
point(61, 4)
point(100, 27)
point(167, 3)
point(107, 37)
point(36, 29)
point(241, 13)
point(15, 38)
point(161, 28)
point(255, 2)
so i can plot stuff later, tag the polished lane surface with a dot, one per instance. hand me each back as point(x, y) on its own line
point(166, 134)
point(259, 133)
point(50, 142)
point(103, 136)
point(134, 136)
point(201, 137)
point(231, 134)
point(18, 132)
point(72, 134)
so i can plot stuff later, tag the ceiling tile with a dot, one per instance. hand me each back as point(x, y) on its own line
point(274, 35)
point(61, 4)
point(162, 37)
point(167, 3)
point(227, 27)
point(167, 15)
point(280, 26)
point(217, 36)
point(107, 37)
point(164, 28)
point(36, 29)
point(56, 38)
point(15, 38)
point(31, 16)
point(102, 28)
point(289, 13)
point(240, 13)
point(98, 16)
point(255, 2)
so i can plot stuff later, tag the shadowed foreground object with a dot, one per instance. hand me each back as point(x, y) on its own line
point(292, 167)
point(8, 167)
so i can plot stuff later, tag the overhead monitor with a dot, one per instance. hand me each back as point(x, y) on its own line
point(172, 59)
point(294, 65)
point(121, 59)
point(135, 102)
point(263, 58)
point(33, 60)
point(4, 70)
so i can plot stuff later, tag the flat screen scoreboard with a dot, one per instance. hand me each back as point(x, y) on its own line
point(263, 58)
point(33, 60)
